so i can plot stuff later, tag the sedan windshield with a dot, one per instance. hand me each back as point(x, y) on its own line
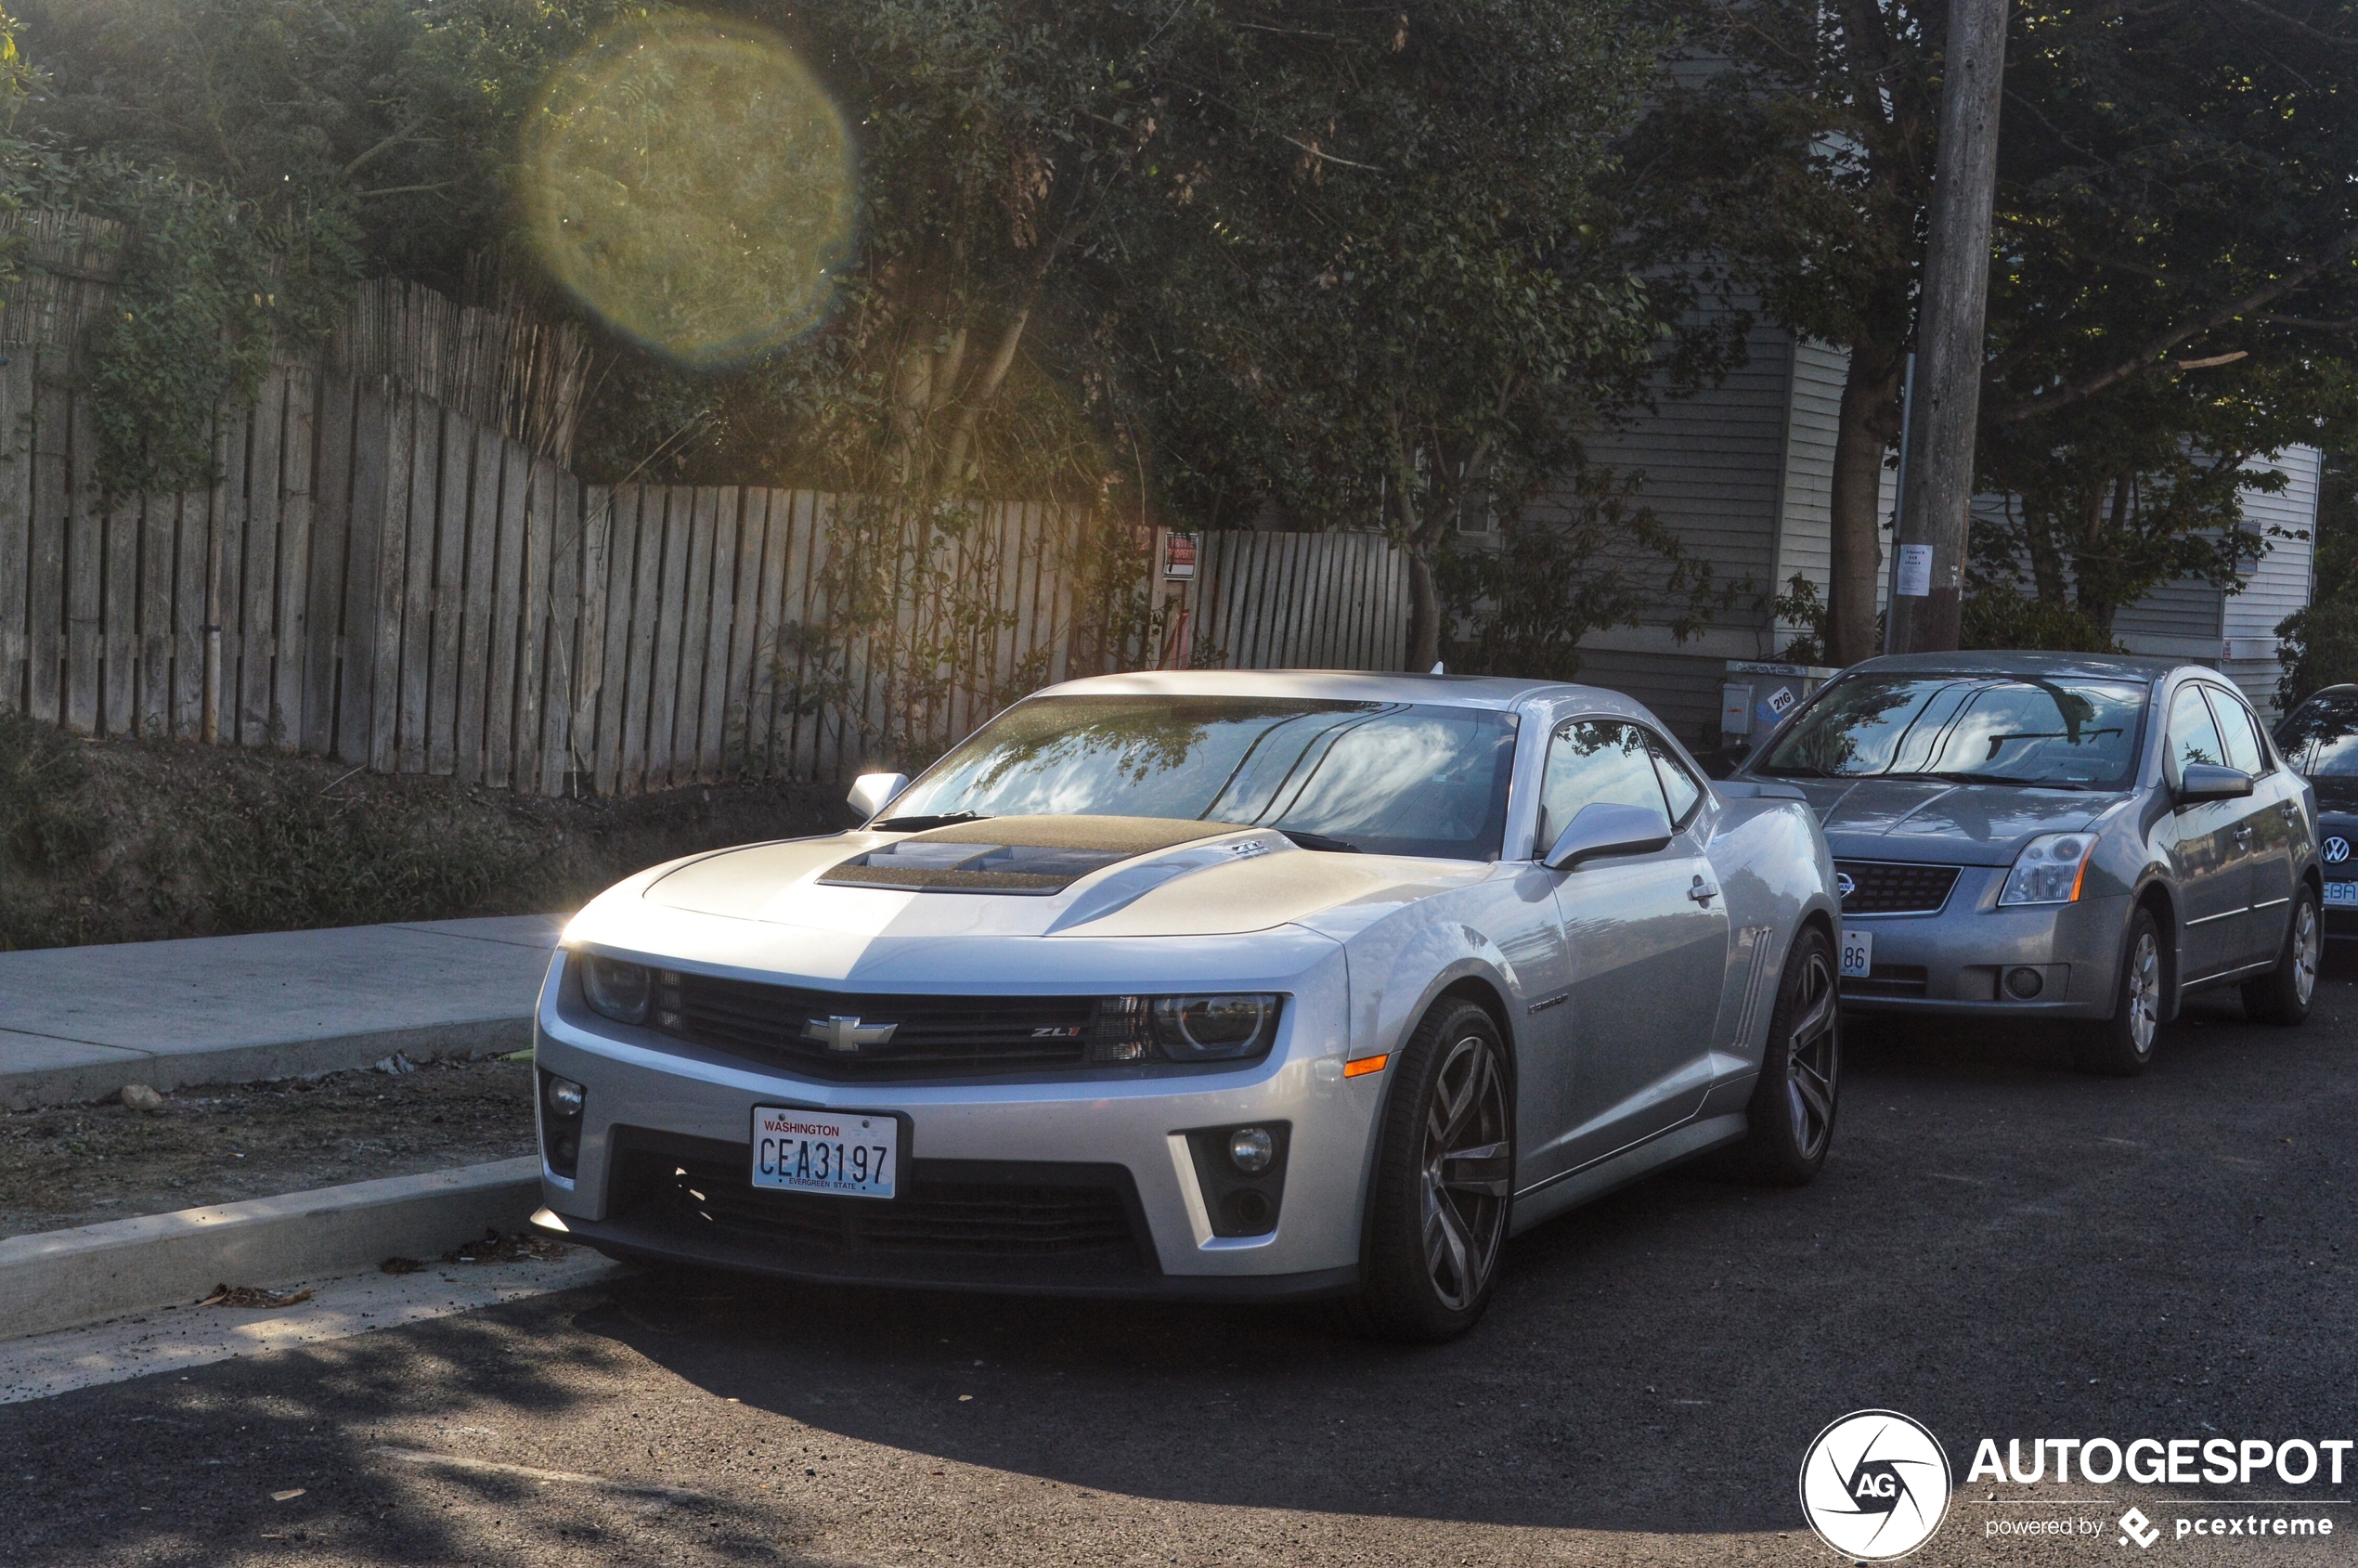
point(2062, 732)
point(2321, 737)
point(1385, 778)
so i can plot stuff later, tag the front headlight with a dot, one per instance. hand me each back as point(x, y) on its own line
point(1184, 1028)
point(2049, 870)
point(615, 989)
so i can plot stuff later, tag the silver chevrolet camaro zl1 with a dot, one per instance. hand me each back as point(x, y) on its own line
point(1222, 985)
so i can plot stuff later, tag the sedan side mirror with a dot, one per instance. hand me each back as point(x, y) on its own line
point(871, 793)
point(2201, 782)
point(1600, 829)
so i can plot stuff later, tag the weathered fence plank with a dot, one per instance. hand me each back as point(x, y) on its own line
point(16, 519)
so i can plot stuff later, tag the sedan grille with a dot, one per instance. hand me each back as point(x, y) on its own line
point(882, 1037)
point(1893, 887)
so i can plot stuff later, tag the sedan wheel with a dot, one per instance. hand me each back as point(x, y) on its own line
point(2122, 1045)
point(2283, 995)
point(1443, 1182)
point(1791, 1122)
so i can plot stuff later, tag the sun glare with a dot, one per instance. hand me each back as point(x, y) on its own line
point(691, 182)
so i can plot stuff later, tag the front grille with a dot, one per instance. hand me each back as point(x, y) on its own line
point(949, 1219)
point(931, 1035)
point(1894, 886)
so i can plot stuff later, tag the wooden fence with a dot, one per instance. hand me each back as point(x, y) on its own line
point(395, 585)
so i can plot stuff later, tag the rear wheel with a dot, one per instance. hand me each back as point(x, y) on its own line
point(2282, 995)
point(2122, 1046)
point(1790, 1124)
point(1445, 1180)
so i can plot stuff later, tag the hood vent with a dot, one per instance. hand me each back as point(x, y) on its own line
point(1037, 856)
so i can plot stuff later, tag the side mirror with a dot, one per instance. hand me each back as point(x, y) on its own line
point(1600, 829)
point(871, 793)
point(2201, 782)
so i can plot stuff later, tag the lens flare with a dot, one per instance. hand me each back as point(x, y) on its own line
point(692, 183)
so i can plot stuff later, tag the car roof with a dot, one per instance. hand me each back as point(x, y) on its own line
point(2009, 661)
point(1502, 692)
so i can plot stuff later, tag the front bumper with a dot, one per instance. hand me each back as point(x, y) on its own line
point(1953, 963)
point(1054, 1158)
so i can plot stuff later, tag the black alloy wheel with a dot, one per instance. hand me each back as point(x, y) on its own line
point(1790, 1124)
point(1444, 1183)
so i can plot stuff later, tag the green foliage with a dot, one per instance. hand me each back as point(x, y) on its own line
point(2319, 645)
point(1519, 603)
point(1998, 615)
point(46, 819)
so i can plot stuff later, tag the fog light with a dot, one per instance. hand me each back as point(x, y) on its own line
point(2023, 983)
point(1251, 1149)
point(1249, 1212)
point(564, 1098)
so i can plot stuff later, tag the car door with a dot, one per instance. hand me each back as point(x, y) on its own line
point(2265, 834)
point(1647, 941)
point(2206, 855)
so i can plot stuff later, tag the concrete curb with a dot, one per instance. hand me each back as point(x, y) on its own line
point(65, 1279)
point(27, 1089)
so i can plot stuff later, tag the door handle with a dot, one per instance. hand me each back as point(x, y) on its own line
point(2243, 836)
point(1703, 892)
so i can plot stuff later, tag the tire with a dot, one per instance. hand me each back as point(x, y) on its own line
point(1444, 1183)
point(2283, 994)
point(2122, 1046)
point(1790, 1124)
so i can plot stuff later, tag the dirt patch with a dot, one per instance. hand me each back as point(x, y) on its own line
point(127, 840)
point(74, 1165)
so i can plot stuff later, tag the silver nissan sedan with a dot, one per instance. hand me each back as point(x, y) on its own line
point(2073, 836)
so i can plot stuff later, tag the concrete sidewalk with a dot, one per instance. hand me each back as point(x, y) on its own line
point(78, 1023)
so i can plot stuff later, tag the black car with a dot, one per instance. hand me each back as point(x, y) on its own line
point(2320, 739)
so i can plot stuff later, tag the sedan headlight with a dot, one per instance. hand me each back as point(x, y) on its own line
point(1184, 1028)
point(616, 990)
point(2049, 870)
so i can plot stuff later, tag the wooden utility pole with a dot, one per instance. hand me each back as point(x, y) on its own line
point(1936, 497)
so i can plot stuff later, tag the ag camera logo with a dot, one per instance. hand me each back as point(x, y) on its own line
point(1874, 1486)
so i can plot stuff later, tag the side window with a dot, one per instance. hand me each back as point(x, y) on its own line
point(1678, 786)
point(1593, 761)
point(2240, 731)
point(2193, 737)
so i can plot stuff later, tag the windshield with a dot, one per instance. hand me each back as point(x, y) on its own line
point(1385, 778)
point(2321, 738)
point(2066, 733)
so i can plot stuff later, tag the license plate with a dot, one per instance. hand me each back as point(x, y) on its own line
point(2341, 893)
point(825, 1151)
point(1857, 954)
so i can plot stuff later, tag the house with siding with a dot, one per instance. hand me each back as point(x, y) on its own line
point(1742, 475)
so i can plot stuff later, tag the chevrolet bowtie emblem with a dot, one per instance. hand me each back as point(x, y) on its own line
point(841, 1033)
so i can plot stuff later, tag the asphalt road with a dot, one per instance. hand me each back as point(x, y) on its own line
point(1999, 1248)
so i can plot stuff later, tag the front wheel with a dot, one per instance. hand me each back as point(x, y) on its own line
point(1445, 1180)
point(1790, 1124)
point(2122, 1046)
point(2283, 994)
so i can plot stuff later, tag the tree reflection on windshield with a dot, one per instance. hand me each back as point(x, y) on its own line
point(1990, 729)
point(1386, 778)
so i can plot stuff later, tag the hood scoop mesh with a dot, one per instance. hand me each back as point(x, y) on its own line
point(1038, 856)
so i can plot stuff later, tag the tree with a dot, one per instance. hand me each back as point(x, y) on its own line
point(2172, 284)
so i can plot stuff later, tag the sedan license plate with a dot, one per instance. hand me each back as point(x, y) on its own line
point(1857, 954)
point(825, 1151)
point(2342, 893)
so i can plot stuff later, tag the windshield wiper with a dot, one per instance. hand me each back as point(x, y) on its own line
point(1320, 841)
point(922, 824)
point(1996, 779)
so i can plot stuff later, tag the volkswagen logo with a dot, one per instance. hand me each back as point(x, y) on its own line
point(1874, 1486)
point(838, 1032)
point(2335, 849)
point(1845, 886)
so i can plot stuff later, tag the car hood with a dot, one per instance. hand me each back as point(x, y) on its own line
point(831, 904)
point(1951, 824)
point(2336, 793)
